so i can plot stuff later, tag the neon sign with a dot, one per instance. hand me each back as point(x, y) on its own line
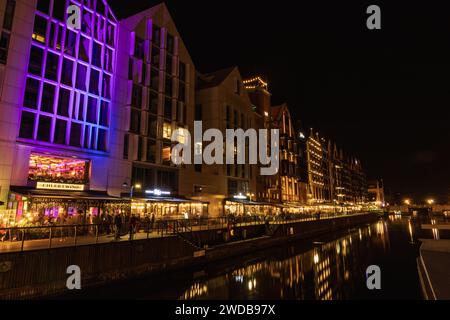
point(59, 186)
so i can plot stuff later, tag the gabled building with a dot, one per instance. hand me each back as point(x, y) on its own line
point(159, 75)
point(223, 103)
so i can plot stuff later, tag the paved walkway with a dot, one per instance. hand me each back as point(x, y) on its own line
point(28, 245)
point(435, 256)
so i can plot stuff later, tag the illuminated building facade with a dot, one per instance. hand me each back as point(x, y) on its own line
point(58, 89)
point(286, 186)
point(318, 169)
point(334, 177)
point(223, 103)
point(159, 75)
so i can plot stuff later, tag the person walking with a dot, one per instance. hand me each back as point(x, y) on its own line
point(118, 225)
point(133, 225)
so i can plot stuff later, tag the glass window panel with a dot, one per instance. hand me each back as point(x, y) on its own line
point(44, 128)
point(48, 98)
point(40, 29)
point(31, 94)
point(60, 132)
point(67, 72)
point(51, 67)
point(63, 102)
point(75, 135)
point(27, 125)
point(91, 115)
point(104, 114)
point(36, 61)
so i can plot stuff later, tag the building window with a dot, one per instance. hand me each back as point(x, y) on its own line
point(44, 6)
point(4, 45)
point(153, 102)
point(169, 86)
point(151, 150)
point(106, 91)
point(31, 94)
point(70, 43)
point(51, 67)
point(126, 145)
point(64, 102)
point(166, 154)
point(182, 71)
point(27, 125)
point(35, 63)
point(97, 55)
point(67, 72)
point(102, 140)
point(139, 48)
point(59, 10)
point(44, 128)
point(154, 79)
point(75, 135)
point(198, 112)
point(60, 132)
point(48, 98)
point(91, 115)
point(168, 108)
point(81, 77)
point(136, 98)
point(152, 126)
point(169, 64)
point(104, 114)
point(167, 131)
point(40, 29)
point(135, 121)
point(9, 14)
point(156, 35)
point(170, 44)
point(94, 82)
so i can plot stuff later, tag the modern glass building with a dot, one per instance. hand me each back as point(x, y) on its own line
point(83, 119)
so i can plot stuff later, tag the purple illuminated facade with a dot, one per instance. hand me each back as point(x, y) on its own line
point(74, 96)
point(58, 97)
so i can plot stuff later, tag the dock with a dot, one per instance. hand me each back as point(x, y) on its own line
point(434, 269)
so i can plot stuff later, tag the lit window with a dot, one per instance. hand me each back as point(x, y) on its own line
point(167, 131)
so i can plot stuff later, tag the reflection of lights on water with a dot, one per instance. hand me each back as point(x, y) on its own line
point(380, 228)
point(360, 235)
point(410, 229)
point(338, 248)
point(251, 284)
point(196, 290)
point(370, 231)
point(316, 258)
point(436, 235)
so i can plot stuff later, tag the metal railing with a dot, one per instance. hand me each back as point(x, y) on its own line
point(51, 236)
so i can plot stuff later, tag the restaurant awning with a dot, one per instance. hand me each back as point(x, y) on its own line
point(161, 199)
point(62, 194)
point(249, 202)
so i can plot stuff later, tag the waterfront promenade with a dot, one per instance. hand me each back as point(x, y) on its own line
point(71, 236)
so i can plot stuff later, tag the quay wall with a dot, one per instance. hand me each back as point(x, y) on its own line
point(40, 273)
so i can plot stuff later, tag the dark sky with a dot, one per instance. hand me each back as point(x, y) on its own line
point(383, 95)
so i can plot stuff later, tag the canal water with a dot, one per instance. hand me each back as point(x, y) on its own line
point(326, 268)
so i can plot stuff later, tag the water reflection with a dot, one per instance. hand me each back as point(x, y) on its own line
point(331, 268)
point(326, 272)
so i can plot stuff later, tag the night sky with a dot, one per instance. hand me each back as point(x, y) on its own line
point(382, 95)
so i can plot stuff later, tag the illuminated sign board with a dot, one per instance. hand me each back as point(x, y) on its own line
point(158, 192)
point(59, 186)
